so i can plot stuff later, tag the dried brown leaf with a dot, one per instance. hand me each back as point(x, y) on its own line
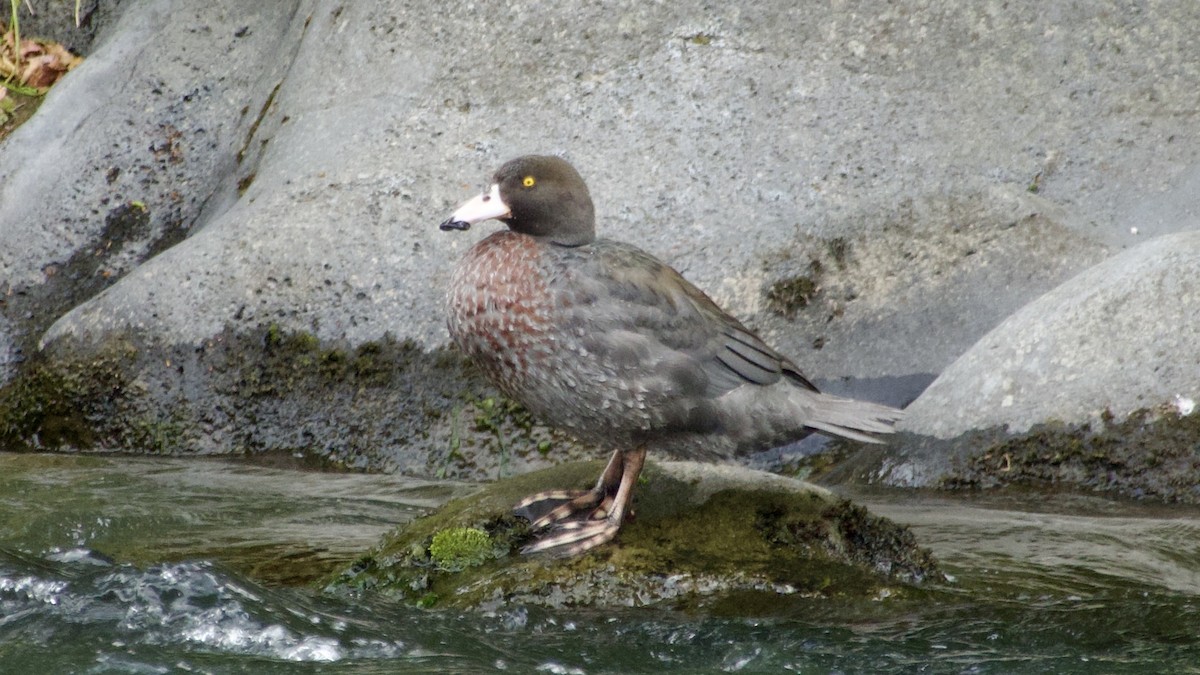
point(31, 48)
point(41, 71)
point(35, 63)
point(64, 55)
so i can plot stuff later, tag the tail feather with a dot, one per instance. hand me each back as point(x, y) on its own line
point(852, 419)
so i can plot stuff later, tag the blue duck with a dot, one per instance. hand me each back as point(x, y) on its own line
point(607, 342)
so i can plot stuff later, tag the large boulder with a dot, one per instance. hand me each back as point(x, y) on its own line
point(1094, 384)
point(221, 188)
point(1120, 337)
point(131, 153)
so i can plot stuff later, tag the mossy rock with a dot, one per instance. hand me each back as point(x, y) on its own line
point(721, 538)
point(274, 394)
point(1151, 454)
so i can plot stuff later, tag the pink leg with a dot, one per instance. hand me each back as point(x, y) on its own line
point(546, 508)
point(574, 536)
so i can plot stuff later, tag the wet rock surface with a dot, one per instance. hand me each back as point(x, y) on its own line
point(378, 406)
point(1092, 386)
point(1150, 454)
point(721, 538)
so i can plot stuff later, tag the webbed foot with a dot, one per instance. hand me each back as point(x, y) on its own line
point(580, 520)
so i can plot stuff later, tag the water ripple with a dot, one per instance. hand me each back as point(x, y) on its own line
point(1044, 584)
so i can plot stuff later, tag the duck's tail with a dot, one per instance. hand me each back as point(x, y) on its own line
point(849, 418)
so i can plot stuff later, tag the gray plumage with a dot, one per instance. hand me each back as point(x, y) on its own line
point(637, 354)
point(606, 341)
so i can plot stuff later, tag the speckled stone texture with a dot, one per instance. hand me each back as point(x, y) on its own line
point(1120, 337)
point(926, 168)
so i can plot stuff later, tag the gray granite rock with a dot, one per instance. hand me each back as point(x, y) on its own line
point(130, 154)
point(390, 113)
point(1122, 336)
point(59, 21)
point(926, 167)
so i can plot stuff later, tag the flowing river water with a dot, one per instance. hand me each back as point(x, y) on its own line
point(160, 565)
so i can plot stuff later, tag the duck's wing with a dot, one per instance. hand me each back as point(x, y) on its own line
point(644, 307)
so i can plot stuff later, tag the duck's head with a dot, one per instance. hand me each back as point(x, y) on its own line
point(539, 195)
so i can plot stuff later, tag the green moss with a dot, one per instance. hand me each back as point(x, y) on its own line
point(1150, 454)
point(360, 407)
point(268, 391)
point(157, 435)
point(457, 548)
point(298, 360)
point(275, 395)
point(788, 296)
point(494, 427)
point(706, 543)
point(370, 364)
point(498, 414)
point(838, 249)
point(72, 403)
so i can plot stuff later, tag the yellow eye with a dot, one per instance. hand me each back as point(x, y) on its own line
point(528, 181)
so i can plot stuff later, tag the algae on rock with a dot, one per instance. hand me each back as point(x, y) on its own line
point(702, 534)
point(383, 405)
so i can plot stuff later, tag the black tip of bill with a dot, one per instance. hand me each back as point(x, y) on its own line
point(452, 224)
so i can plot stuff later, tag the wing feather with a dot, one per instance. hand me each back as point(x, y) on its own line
point(682, 323)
